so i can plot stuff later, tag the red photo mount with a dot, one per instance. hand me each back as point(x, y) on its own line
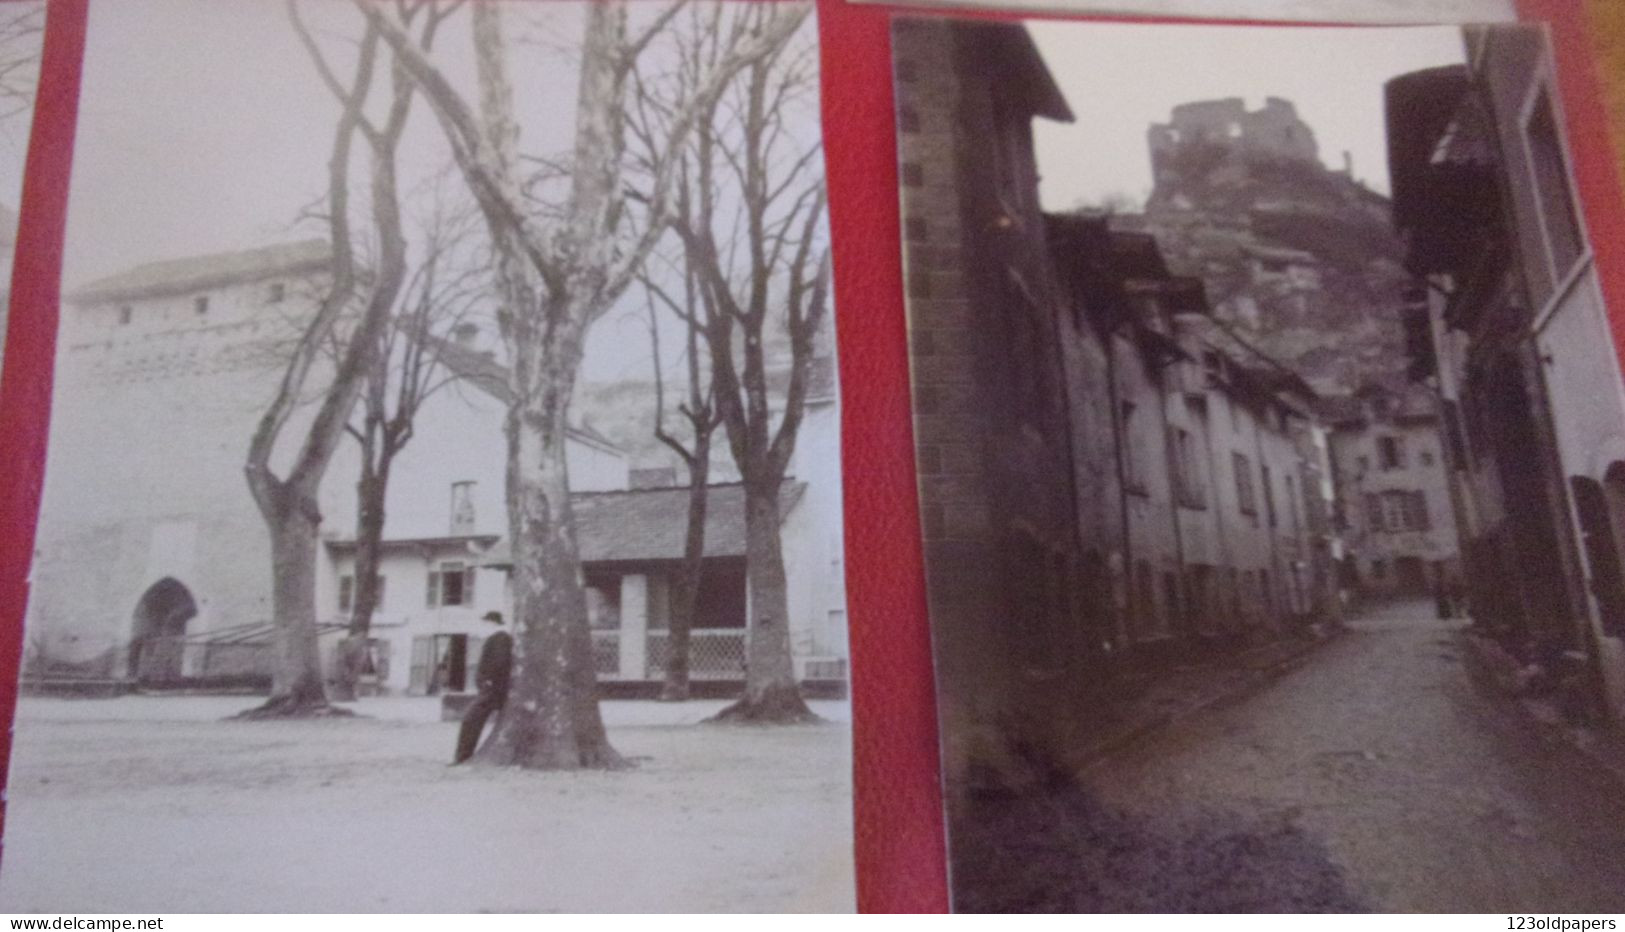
point(900, 843)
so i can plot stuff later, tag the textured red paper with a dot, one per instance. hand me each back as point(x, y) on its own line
point(25, 387)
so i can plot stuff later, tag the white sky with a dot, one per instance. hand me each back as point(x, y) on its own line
point(203, 128)
point(1119, 78)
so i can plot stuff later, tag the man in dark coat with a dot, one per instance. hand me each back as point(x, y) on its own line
point(496, 664)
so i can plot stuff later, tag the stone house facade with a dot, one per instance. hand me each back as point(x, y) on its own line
point(1520, 349)
point(1106, 479)
point(1396, 514)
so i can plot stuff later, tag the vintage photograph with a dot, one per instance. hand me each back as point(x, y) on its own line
point(1271, 455)
point(442, 506)
point(22, 36)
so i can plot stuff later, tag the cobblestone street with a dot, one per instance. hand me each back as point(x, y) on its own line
point(1376, 775)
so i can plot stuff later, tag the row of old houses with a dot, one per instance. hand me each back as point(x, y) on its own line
point(1108, 476)
point(1513, 331)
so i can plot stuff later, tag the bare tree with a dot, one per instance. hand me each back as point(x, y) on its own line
point(700, 413)
point(750, 218)
point(22, 33)
point(560, 268)
point(446, 285)
point(288, 502)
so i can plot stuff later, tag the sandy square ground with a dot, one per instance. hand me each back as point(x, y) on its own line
point(152, 804)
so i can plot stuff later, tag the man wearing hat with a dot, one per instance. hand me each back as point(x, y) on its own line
point(491, 678)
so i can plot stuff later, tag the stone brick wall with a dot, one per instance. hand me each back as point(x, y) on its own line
point(992, 454)
point(149, 428)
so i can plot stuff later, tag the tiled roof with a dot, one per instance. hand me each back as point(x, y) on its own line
point(651, 524)
point(199, 273)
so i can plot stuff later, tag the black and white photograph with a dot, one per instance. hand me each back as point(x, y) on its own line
point(442, 508)
point(1270, 444)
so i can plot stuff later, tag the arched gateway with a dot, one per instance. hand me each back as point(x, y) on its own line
point(160, 623)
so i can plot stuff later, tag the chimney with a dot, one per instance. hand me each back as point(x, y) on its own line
point(1348, 163)
point(464, 335)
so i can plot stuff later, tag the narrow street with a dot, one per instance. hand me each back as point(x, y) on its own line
point(1419, 790)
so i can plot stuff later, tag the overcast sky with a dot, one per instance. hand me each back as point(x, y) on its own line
point(1119, 78)
point(203, 128)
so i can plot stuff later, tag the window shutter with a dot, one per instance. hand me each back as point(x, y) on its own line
point(468, 586)
point(434, 588)
point(346, 592)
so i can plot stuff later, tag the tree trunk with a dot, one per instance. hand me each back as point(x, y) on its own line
point(687, 590)
point(551, 720)
point(771, 695)
point(370, 491)
point(296, 679)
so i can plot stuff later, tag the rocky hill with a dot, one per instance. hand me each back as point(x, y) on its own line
point(1300, 258)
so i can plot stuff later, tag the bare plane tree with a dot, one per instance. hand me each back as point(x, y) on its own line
point(288, 502)
point(557, 272)
point(749, 215)
point(699, 413)
point(445, 288)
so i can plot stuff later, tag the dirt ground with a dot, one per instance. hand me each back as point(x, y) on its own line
point(152, 804)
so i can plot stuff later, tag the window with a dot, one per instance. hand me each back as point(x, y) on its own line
point(451, 584)
point(1416, 512)
point(1129, 446)
point(1564, 241)
point(276, 293)
point(1398, 511)
point(1269, 494)
point(1425, 457)
point(1192, 493)
point(1362, 465)
point(124, 314)
point(1395, 511)
point(1244, 484)
point(462, 507)
point(1389, 453)
point(200, 304)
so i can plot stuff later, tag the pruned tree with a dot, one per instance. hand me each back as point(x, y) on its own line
point(559, 268)
point(750, 216)
point(352, 314)
point(447, 284)
point(699, 412)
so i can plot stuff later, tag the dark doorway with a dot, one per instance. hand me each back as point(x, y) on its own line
point(451, 663)
point(156, 645)
point(1412, 575)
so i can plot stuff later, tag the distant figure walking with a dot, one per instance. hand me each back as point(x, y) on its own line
point(496, 664)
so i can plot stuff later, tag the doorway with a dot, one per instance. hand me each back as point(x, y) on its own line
point(157, 645)
point(439, 664)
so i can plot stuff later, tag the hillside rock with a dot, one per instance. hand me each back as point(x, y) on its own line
point(1299, 258)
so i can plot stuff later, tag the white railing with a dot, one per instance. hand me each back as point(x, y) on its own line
point(713, 653)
